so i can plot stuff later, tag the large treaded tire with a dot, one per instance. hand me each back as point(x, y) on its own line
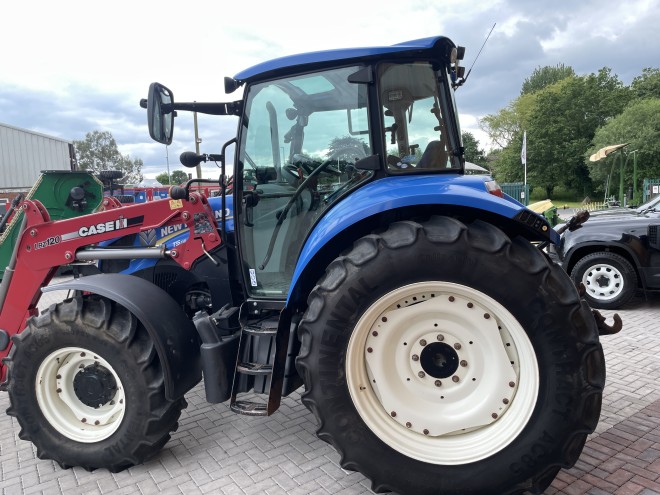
point(108, 175)
point(479, 260)
point(138, 427)
point(609, 279)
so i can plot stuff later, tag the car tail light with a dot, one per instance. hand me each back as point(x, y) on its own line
point(494, 188)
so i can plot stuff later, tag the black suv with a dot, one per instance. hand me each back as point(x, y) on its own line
point(614, 253)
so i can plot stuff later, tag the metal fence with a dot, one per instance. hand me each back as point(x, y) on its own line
point(517, 190)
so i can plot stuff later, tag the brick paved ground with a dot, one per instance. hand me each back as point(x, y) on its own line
point(216, 451)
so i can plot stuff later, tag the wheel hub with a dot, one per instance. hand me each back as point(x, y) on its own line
point(439, 365)
point(442, 373)
point(94, 385)
point(439, 360)
point(80, 394)
point(603, 282)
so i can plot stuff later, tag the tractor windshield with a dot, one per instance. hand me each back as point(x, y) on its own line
point(299, 141)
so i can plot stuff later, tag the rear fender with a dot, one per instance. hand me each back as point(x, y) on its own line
point(173, 333)
point(391, 193)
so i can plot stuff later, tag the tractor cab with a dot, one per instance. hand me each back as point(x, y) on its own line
point(314, 128)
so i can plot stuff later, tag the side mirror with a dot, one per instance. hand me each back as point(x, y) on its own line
point(160, 113)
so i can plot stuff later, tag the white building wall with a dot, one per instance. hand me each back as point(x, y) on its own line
point(24, 154)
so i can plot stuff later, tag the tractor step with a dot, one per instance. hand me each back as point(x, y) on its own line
point(249, 408)
point(256, 361)
point(254, 368)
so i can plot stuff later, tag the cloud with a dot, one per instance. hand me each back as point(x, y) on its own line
point(66, 73)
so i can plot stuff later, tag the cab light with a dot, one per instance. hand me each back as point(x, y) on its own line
point(494, 188)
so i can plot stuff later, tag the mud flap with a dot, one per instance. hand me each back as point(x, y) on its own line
point(173, 333)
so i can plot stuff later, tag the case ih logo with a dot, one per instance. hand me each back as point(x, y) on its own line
point(100, 228)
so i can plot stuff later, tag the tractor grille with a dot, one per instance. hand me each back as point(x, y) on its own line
point(164, 280)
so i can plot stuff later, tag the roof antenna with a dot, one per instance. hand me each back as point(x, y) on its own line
point(462, 80)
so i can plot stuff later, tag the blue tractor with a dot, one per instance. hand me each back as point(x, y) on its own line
point(439, 349)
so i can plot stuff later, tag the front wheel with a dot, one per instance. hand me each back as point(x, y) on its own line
point(435, 351)
point(609, 279)
point(87, 388)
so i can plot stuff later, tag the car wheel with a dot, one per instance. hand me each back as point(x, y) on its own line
point(609, 279)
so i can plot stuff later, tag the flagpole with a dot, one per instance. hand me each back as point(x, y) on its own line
point(523, 158)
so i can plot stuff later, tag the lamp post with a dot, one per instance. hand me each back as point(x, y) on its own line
point(198, 168)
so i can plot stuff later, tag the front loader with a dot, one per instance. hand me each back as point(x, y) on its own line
point(440, 351)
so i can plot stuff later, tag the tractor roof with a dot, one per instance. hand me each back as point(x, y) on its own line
point(437, 47)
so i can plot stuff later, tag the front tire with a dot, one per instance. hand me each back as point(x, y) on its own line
point(443, 358)
point(87, 388)
point(609, 279)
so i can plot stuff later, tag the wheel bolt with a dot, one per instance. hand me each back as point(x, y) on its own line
point(494, 415)
point(59, 377)
point(457, 346)
point(463, 363)
point(369, 349)
point(422, 342)
point(426, 432)
point(384, 318)
point(470, 305)
point(84, 420)
point(487, 316)
point(512, 384)
point(415, 357)
point(374, 333)
point(82, 354)
point(438, 383)
point(97, 422)
point(505, 401)
point(409, 424)
point(393, 414)
point(59, 390)
point(441, 337)
point(421, 374)
point(452, 298)
point(455, 379)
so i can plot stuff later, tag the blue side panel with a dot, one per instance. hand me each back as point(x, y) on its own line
point(335, 55)
point(397, 192)
point(216, 205)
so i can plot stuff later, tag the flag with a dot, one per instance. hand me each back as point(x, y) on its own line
point(523, 152)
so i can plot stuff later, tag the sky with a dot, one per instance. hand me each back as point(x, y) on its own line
point(68, 68)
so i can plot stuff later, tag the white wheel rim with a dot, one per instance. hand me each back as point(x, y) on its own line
point(464, 419)
point(60, 404)
point(603, 282)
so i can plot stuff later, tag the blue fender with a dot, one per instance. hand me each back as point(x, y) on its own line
point(397, 192)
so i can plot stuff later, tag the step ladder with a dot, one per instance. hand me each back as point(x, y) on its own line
point(261, 358)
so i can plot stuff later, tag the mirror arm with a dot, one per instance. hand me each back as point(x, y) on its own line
point(231, 108)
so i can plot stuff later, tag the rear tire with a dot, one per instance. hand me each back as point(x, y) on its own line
point(609, 279)
point(87, 388)
point(372, 356)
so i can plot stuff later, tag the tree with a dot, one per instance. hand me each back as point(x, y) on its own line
point(543, 77)
point(647, 85)
point(638, 125)
point(176, 177)
point(345, 147)
point(163, 178)
point(98, 151)
point(472, 151)
point(563, 124)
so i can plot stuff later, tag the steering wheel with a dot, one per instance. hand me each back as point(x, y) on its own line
point(306, 165)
